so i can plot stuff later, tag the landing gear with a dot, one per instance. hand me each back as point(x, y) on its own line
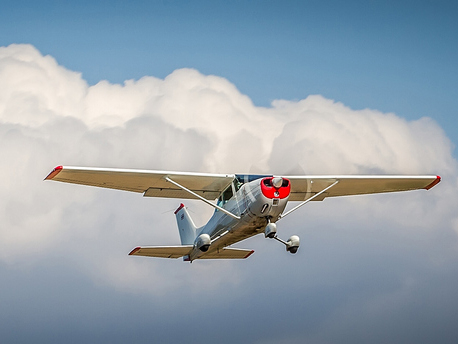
point(292, 245)
point(271, 230)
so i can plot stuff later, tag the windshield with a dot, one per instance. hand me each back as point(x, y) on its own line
point(239, 180)
point(246, 178)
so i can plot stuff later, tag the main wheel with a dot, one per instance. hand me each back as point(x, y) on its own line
point(293, 249)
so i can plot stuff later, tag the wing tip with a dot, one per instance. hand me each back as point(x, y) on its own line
point(135, 250)
point(434, 183)
point(249, 254)
point(54, 173)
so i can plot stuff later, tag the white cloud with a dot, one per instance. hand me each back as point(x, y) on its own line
point(35, 89)
point(188, 121)
point(332, 138)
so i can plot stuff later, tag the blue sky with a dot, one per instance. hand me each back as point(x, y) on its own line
point(371, 269)
point(390, 56)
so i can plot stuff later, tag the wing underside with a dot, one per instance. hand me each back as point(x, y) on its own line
point(150, 183)
point(304, 187)
point(210, 186)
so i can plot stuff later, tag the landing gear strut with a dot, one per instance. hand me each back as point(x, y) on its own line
point(292, 245)
point(271, 230)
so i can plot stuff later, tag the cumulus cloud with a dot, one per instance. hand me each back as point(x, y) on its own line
point(188, 121)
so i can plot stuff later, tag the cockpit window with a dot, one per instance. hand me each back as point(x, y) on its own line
point(246, 178)
point(237, 185)
point(239, 180)
point(225, 196)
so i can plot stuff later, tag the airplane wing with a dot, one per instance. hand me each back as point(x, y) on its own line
point(304, 187)
point(210, 186)
point(150, 183)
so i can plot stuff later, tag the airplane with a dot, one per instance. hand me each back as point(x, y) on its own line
point(246, 204)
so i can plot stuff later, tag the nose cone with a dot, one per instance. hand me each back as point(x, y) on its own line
point(277, 182)
point(275, 187)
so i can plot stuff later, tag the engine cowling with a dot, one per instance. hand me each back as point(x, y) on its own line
point(203, 242)
point(292, 245)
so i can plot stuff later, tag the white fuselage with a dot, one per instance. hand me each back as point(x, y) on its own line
point(255, 203)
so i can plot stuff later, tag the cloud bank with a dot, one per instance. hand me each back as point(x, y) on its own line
point(188, 121)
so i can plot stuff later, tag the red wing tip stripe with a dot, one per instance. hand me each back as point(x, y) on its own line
point(435, 182)
point(249, 254)
point(54, 172)
point(179, 208)
point(135, 250)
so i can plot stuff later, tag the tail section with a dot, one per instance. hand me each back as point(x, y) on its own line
point(187, 249)
point(186, 227)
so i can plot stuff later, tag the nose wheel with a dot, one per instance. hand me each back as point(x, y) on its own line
point(292, 245)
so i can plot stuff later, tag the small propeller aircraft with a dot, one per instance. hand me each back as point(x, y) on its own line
point(246, 204)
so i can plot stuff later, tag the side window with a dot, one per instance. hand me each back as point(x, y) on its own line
point(225, 196)
point(219, 203)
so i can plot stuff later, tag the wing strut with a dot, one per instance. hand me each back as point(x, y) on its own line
point(309, 199)
point(203, 199)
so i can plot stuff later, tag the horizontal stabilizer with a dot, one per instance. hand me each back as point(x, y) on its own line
point(162, 251)
point(184, 250)
point(228, 253)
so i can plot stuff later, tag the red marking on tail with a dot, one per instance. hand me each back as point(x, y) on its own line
point(179, 208)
